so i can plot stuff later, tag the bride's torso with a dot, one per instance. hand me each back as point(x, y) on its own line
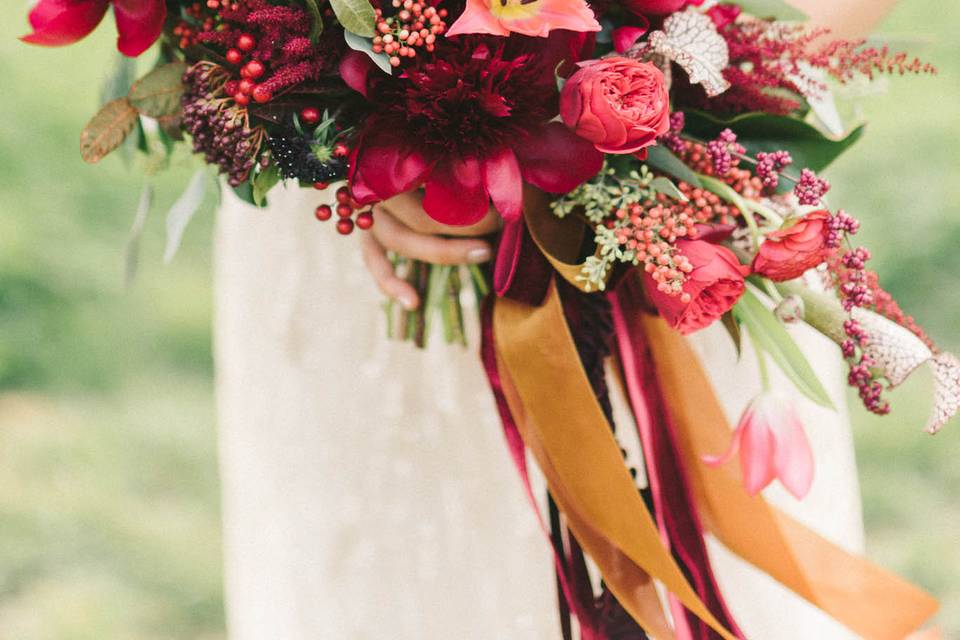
point(367, 489)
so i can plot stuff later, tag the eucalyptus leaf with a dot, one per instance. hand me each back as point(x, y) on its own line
point(158, 93)
point(132, 250)
point(807, 145)
point(364, 45)
point(778, 9)
point(773, 338)
point(664, 161)
point(263, 182)
point(667, 188)
point(182, 212)
point(356, 16)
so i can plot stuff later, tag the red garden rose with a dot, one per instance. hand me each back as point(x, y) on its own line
point(60, 22)
point(713, 287)
point(621, 105)
point(787, 253)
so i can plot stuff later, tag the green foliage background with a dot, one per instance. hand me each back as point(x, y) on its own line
point(109, 523)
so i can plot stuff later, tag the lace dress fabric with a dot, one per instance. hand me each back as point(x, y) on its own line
point(367, 489)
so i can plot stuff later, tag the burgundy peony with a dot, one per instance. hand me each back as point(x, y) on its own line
point(621, 105)
point(470, 125)
point(789, 252)
point(713, 287)
point(60, 22)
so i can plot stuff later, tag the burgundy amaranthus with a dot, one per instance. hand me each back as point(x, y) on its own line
point(768, 58)
point(271, 47)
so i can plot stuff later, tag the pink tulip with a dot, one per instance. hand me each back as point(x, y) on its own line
point(60, 22)
point(772, 444)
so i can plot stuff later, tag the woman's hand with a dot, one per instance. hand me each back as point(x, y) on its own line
point(402, 226)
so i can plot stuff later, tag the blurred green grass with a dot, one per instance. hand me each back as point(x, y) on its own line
point(109, 522)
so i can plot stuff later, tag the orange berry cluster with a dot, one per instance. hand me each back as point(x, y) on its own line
point(651, 234)
point(415, 25)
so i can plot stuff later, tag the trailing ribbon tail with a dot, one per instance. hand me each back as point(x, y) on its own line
point(561, 423)
point(857, 593)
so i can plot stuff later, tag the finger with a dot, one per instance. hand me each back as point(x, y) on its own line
point(379, 266)
point(397, 237)
point(408, 208)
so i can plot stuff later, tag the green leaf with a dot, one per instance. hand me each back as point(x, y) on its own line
point(107, 130)
point(666, 187)
point(316, 25)
point(663, 160)
point(808, 146)
point(263, 182)
point(773, 338)
point(777, 9)
point(158, 93)
point(245, 192)
point(365, 45)
point(356, 16)
point(733, 328)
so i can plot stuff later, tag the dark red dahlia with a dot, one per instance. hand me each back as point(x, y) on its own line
point(470, 124)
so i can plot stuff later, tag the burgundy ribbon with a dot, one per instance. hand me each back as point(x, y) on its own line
point(673, 504)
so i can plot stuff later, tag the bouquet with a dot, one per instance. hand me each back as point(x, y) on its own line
point(656, 165)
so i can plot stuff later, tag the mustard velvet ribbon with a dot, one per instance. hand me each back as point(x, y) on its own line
point(564, 428)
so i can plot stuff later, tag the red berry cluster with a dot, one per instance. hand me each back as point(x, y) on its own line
point(346, 206)
point(415, 25)
point(250, 71)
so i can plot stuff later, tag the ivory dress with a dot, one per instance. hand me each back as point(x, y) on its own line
point(367, 489)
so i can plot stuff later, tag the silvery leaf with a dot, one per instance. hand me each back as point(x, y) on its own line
point(132, 251)
point(946, 392)
point(182, 212)
point(690, 39)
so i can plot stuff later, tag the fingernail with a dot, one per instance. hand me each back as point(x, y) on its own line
point(409, 303)
point(475, 256)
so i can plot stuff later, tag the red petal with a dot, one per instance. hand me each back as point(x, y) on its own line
point(60, 22)
point(354, 69)
point(139, 24)
point(555, 159)
point(501, 176)
point(625, 37)
point(383, 166)
point(455, 194)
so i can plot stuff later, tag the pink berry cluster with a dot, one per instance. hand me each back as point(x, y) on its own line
point(851, 278)
point(810, 189)
point(651, 234)
point(671, 139)
point(769, 166)
point(841, 223)
point(415, 25)
point(723, 150)
point(346, 206)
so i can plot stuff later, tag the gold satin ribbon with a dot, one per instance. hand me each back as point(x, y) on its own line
point(867, 599)
point(567, 433)
point(558, 239)
point(565, 430)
